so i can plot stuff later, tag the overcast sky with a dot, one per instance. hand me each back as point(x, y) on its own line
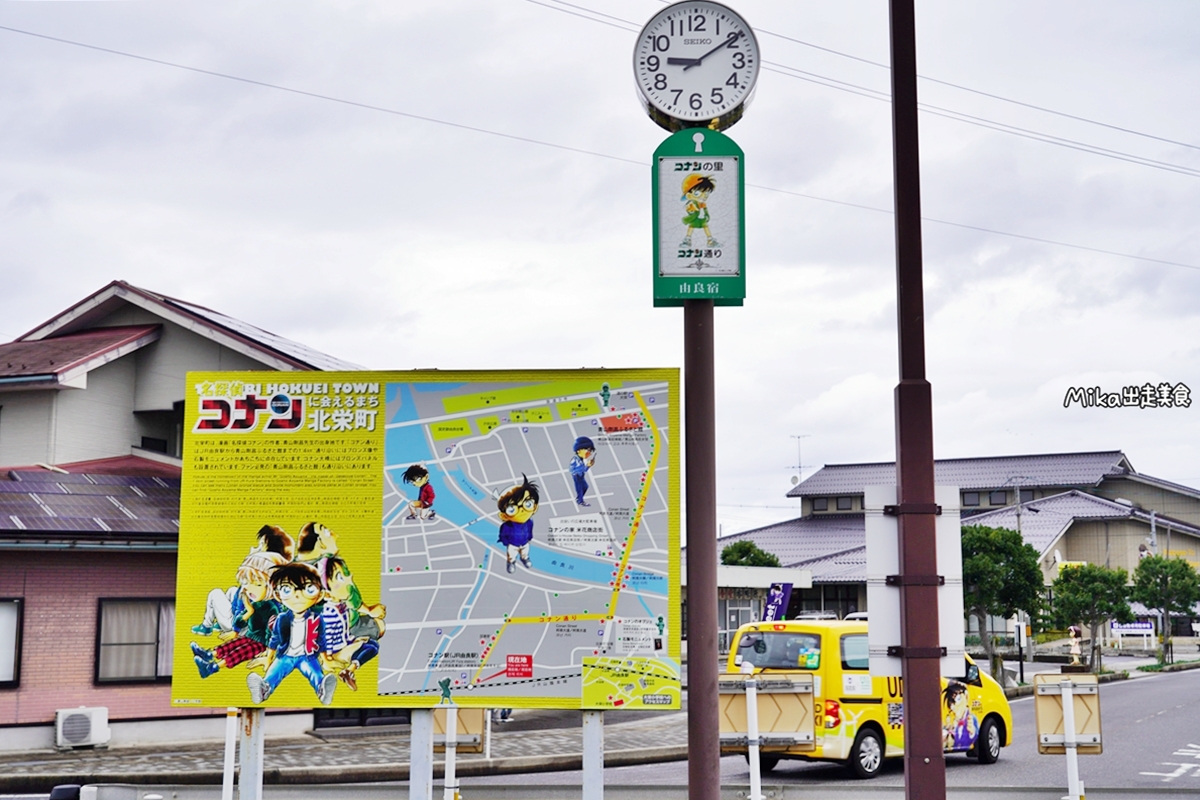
point(391, 234)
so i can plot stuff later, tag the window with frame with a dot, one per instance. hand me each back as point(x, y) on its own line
point(820, 504)
point(855, 653)
point(970, 498)
point(845, 504)
point(10, 642)
point(998, 497)
point(1026, 495)
point(134, 640)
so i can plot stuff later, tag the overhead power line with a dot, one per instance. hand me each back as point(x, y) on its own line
point(544, 143)
point(875, 94)
point(952, 85)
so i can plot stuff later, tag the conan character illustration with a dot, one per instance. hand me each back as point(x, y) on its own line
point(352, 628)
point(959, 726)
point(274, 539)
point(254, 609)
point(297, 634)
point(696, 189)
point(517, 507)
point(315, 544)
point(225, 606)
point(422, 507)
point(582, 460)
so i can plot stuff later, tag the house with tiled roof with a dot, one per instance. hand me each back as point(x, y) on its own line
point(91, 421)
point(1089, 506)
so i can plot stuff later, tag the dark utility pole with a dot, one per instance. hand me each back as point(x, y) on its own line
point(924, 761)
point(704, 744)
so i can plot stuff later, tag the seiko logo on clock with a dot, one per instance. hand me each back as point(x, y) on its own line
point(697, 41)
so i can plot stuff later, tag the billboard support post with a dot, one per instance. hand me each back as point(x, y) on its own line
point(231, 737)
point(704, 714)
point(250, 782)
point(593, 755)
point(450, 784)
point(420, 767)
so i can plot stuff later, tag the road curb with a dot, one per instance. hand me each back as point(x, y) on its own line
point(358, 773)
point(1107, 677)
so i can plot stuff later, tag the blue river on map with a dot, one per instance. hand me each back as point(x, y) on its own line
point(407, 445)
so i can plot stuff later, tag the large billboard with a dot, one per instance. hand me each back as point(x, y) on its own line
point(493, 539)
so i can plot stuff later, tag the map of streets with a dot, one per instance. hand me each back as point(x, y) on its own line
point(528, 526)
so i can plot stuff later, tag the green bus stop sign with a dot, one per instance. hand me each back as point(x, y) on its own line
point(699, 206)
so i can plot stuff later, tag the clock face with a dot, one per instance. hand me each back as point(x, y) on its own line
point(696, 62)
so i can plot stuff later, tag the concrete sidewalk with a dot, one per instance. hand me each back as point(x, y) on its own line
point(535, 742)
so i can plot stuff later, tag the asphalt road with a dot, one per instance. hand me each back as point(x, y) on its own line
point(1150, 732)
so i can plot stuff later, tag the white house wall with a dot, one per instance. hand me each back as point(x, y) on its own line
point(162, 366)
point(1152, 498)
point(97, 422)
point(25, 427)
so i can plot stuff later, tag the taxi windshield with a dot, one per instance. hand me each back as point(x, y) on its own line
point(780, 650)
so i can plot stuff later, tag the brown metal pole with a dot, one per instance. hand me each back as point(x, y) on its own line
point(924, 761)
point(704, 746)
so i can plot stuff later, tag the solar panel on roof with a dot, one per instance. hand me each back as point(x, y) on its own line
point(142, 526)
point(44, 476)
point(66, 524)
point(85, 489)
point(21, 506)
point(124, 480)
point(15, 487)
point(83, 506)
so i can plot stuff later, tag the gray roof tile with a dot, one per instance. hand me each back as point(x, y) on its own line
point(1050, 470)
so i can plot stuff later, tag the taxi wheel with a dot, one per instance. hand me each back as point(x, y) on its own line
point(866, 756)
point(987, 747)
point(766, 763)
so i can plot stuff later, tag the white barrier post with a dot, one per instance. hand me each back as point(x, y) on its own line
point(593, 755)
point(752, 732)
point(487, 733)
point(450, 790)
point(231, 737)
point(420, 764)
point(1074, 786)
point(250, 782)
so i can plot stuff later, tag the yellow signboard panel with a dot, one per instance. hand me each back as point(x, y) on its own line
point(418, 539)
point(629, 683)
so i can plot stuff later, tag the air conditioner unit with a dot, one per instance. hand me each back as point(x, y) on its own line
point(81, 727)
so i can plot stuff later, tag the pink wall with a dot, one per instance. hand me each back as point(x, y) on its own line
point(61, 592)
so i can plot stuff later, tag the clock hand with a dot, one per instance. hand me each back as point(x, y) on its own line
point(691, 62)
point(733, 37)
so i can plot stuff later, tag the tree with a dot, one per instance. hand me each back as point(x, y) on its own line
point(1091, 595)
point(747, 554)
point(1168, 586)
point(1001, 576)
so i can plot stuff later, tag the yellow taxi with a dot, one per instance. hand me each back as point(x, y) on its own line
point(858, 719)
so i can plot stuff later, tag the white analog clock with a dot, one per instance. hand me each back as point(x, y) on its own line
point(696, 64)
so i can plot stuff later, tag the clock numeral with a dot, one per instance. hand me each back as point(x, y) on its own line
point(696, 22)
point(718, 21)
point(652, 63)
point(660, 43)
point(695, 101)
point(677, 93)
point(739, 60)
point(733, 81)
point(717, 97)
point(660, 81)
